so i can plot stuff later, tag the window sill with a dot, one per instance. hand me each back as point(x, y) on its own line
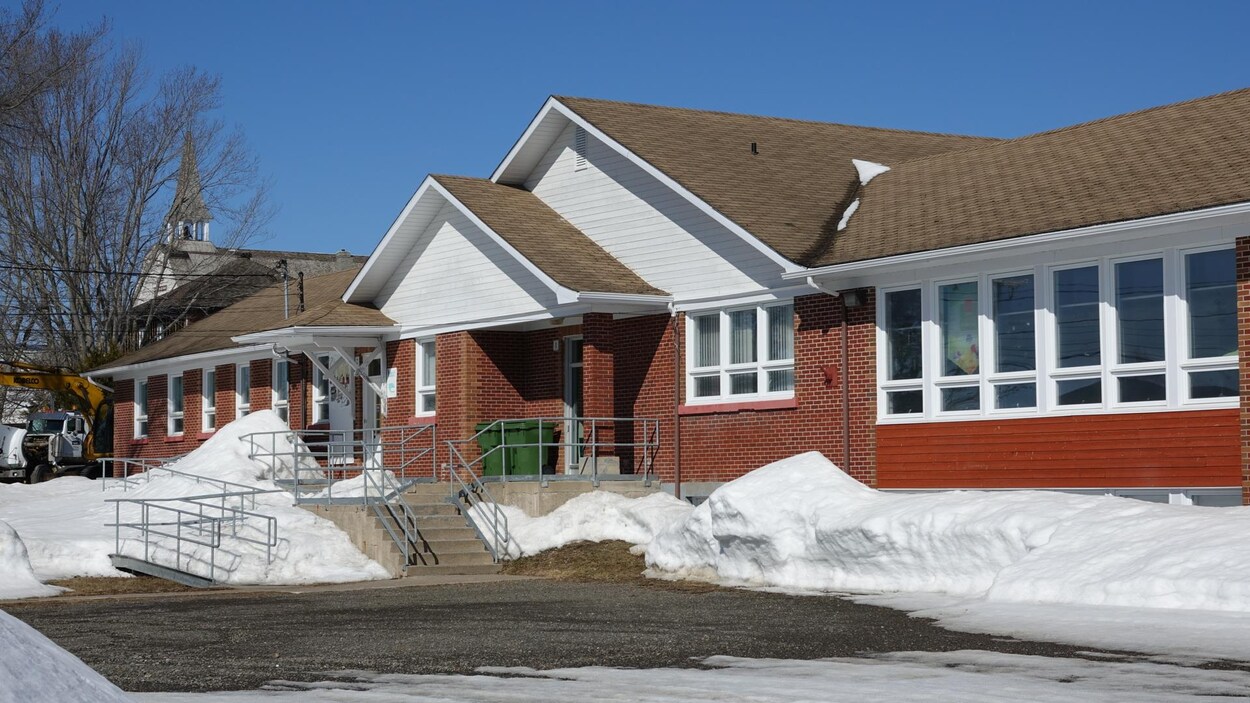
point(423, 420)
point(175, 437)
point(734, 407)
point(139, 440)
point(205, 435)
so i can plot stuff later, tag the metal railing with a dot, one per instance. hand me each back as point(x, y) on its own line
point(316, 460)
point(385, 496)
point(127, 469)
point(194, 521)
point(475, 502)
point(600, 448)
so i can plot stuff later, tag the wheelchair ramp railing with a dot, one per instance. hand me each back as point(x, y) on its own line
point(475, 502)
point(198, 539)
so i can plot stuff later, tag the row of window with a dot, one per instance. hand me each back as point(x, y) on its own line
point(175, 400)
point(323, 394)
point(740, 354)
point(1148, 331)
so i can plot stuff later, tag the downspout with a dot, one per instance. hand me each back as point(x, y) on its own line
point(672, 311)
point(845, 380)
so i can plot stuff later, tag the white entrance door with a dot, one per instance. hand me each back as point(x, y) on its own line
point(342, 414)
point(372, 415)
point(572, 404)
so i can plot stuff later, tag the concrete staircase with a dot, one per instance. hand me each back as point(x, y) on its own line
point(445, 543)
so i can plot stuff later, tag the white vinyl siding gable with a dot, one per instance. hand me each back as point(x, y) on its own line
point(646, 225)
point(456, 272)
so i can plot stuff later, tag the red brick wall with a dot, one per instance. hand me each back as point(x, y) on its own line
point(1190, 448)
point(1243, 347)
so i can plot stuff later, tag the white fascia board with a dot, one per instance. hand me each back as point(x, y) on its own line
point(553, 313)
point(626, 298)
point(337, 333)
point(371, 262)
point(772, 254)
point(1125, 228)
point(732, 299)
point(563, 294)
point(173, 363)
point(523, 141)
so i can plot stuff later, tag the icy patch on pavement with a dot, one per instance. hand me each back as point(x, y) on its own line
point(801, 523)
point(33, 669)
point(65, 523)
point(591, 517)
point(967, 676)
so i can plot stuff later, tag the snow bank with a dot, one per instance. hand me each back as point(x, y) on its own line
point(801, 523)
point(33, 669)
point(64, 523)
point(17, 579)
point(591, 517)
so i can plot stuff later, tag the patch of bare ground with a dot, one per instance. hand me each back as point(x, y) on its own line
point(115, 586)
point(597, 562)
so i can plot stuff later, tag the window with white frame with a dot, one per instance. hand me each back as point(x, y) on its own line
point(208, 401)
point(242, 390)
point(141, 408)
point(176, 406)
point(321, 391)
point(1157, 330)
point(282, 388)
point(741, 354)
point(426, 368)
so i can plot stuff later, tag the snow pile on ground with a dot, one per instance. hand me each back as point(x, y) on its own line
point(17, 579)
point(591, 517)
point(801, 523)
point(34, 670)
point(64, 523)
point(967, 676)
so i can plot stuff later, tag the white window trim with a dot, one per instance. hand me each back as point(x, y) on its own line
point(242, 391)
point(319, 398)
point(208, 402)
point(141, 419)
point(279, 406)
point(424, 391)
point(1047, 375)
point(171, 414)
point(761, 366)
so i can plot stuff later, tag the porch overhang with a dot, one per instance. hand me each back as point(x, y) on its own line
point(342, 341)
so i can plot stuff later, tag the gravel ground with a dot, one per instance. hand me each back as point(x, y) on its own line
point(229, 641)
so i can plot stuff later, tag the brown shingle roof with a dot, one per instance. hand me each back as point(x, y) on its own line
point(1175, 158)
point(336, 313)
point(256, 313)
point(791, 193)
point(548, 240)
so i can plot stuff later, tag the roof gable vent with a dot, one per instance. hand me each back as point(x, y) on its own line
point(579, 148)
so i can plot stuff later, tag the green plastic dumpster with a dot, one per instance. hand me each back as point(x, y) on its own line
point(492, 462)
point(520, 455)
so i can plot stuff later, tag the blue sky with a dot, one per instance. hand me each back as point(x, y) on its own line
point(349, 105)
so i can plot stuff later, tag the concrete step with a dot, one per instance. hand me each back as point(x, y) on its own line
point(423, 509)
point(455, 559)
point(441, 522)
point(445, 570)
point(452, 546)
point(444, 534)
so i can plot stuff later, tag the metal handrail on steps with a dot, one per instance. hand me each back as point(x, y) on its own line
point(128, 469)
point(389, 498)
point(472, 493)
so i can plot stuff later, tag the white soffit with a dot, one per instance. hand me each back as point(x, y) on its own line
point(413, 220)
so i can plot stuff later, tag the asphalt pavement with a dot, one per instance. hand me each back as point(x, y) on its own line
point(229, 640)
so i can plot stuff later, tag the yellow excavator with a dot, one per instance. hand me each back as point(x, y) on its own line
point(67, 442)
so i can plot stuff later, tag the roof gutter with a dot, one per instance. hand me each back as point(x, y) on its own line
point(1044, 239)
point(268, 336)
point(188, 360)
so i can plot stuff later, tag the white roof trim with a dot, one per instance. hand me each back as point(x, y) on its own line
point(386, 239)
point(553, 104)
point(340, 331)
point(183, 361)
point(1047, 238)
point(563, 295)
